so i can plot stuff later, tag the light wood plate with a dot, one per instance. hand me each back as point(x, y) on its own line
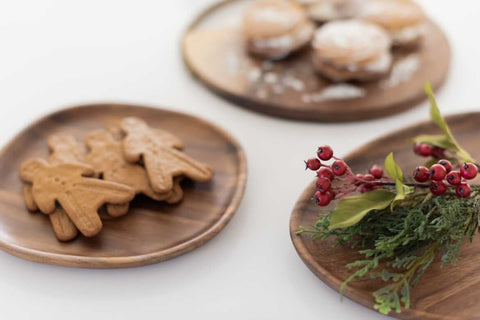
point(444, 292)
point(214, 51)
point(151, 232)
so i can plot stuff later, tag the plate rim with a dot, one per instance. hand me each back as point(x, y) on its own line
point(68, 260)
point(317, 269)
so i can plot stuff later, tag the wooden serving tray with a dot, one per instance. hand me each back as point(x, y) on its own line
point(214, 51)
point(444, 292)
point(151, 232)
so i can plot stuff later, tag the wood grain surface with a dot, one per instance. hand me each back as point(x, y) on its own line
point(151, 232)
point(444, 292)
point(215, 53)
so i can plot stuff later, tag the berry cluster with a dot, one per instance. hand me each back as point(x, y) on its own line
point(339, 171)
point(442, 175)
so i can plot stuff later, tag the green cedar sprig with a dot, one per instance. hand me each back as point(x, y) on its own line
point(406, 240)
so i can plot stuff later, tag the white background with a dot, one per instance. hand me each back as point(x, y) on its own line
point(55, 53)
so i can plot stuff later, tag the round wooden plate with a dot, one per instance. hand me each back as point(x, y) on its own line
point(151, 232)
point(444, 292)
point(214, 51)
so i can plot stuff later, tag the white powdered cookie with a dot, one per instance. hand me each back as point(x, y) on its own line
point(276, 28)
point(351, 50)
point(403, 19)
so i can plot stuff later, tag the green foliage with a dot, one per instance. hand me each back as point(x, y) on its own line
point(395, 172)
point(351, 210)
point(400, 244)
point(447, 140)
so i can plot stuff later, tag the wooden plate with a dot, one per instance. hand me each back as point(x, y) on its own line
point(151, 232)
point(214, 51)
point(444, 292)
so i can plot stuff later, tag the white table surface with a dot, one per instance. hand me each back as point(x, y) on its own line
point(55, 53)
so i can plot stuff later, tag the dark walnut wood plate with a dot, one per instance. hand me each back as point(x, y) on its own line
point(151, 232)
point(214, 51)
point(444, 292)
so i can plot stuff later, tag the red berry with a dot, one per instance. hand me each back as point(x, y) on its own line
point(331, 194)
point(323, 184)
point(364, 189)
point(438, 172)
point(468, 170)
point(312, 164)
point(339, 167)
point(322, 199)
point(416, 148)
point(438, 152)
point(425, 150)
point(438, 187)
point(325, 172)
point(463, 190)
point(325, 153)
point(454, 178)
point(421, 174)
point(368, 177)
point(447, 164)
point(376, 171)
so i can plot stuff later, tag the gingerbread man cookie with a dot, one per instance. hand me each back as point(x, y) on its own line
point(158, 151)
point(107, 159)
point(76, 192)
point(64, 149)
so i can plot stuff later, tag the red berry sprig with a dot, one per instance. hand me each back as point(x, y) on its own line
point(335, 179)
point(338, 171)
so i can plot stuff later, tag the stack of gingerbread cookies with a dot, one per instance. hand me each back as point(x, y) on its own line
point(109, 170)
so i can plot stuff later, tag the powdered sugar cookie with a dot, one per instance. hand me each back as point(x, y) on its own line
point(404, 20)
point(276, 28)
point(351, 50)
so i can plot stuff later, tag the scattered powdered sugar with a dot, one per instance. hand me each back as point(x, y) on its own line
point(402, 71)
point(271, 77)
point(294, 83)
point(254, 74)
point(342, 91)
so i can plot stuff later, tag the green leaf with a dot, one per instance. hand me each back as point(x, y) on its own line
point(395, 172)
point(437, 140)
point(393, 169)
point(436, 116)
point(351, 210)
point(447, 140)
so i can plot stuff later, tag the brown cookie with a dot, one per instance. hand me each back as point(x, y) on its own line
point(71, 186)
point(162, 160)
point(107, 159)
point(64, 149)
